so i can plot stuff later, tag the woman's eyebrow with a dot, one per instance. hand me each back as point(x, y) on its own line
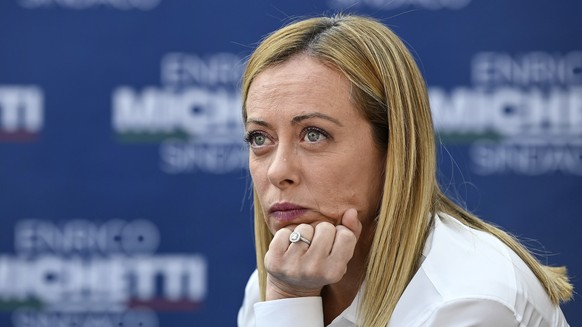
point(298, 119)
point(257, 122)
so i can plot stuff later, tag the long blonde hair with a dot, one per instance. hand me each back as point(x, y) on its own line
point(390, 92)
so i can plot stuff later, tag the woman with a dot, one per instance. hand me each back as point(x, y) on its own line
point(351, 227)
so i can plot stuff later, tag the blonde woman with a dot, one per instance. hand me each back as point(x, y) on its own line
point(351, 227)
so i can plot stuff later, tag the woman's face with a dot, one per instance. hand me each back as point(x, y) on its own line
point(312, 154)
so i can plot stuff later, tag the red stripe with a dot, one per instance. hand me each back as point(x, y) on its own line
point(18, 136)
point(165, 305)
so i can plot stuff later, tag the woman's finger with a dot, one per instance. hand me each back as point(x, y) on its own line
point(344, 245)
point(280, 243)
point(323, 240)
point(301, 238)
point(351, 221)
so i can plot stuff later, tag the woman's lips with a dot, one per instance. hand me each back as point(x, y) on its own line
point(286, 211)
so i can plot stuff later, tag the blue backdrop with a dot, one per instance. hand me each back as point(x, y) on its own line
point(123, 177)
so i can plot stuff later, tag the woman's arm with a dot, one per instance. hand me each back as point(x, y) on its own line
point(304, 311)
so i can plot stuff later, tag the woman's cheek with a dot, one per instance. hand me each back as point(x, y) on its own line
point(334, 208)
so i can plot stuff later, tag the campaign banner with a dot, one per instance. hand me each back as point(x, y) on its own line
point(126, 197)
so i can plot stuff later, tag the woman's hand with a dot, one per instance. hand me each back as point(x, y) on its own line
point(299, 269)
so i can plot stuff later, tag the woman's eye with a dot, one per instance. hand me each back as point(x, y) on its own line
point(256, 139)
point(259, 139)
point(314, 135)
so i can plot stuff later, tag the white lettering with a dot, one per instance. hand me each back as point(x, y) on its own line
point(92, 318)
point(200, 113)
point(462, 111)
point(492, 69)
point(83, 283)
point(196, 113)
point(85, 237)
point(393, 4)
point(21, 108)
point(140, 236)
point(575, 112)
point(86, 4)
point(11, 285)
point(181, 69)
point(176, 273)
point(152, 111)
point(179, 157)
point(508, 111)
point(526, 158)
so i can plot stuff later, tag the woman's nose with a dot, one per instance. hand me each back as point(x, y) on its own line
point(284, 167)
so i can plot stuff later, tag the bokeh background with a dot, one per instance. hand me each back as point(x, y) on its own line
point(124, 191)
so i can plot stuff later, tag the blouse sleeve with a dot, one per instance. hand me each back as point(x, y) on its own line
point(472, 312)
point(246, 313)
point(293, 312)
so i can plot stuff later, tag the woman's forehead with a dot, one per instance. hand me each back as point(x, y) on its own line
point(300, 80)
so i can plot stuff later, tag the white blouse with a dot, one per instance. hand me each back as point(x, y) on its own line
point(467, 278)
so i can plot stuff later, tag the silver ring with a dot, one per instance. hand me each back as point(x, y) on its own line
point(295, 237)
